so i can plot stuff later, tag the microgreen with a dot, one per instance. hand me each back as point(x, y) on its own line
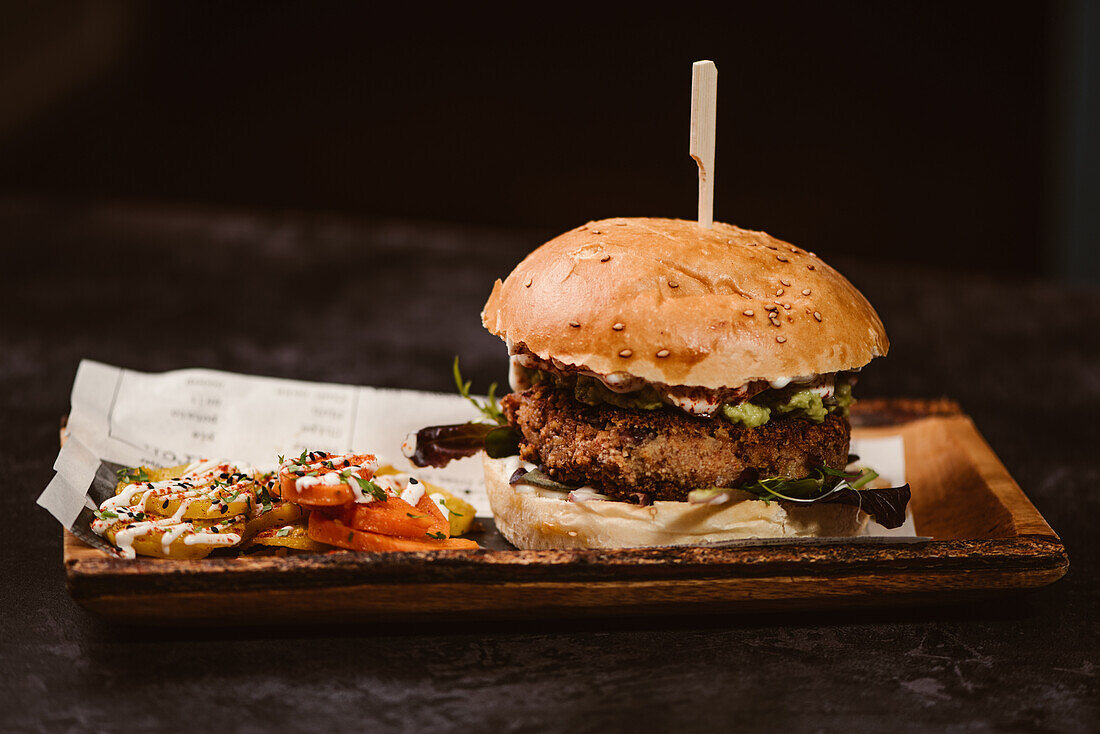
point(136, 474)
point(489, 407)
point(869, 475)
point(449, 508)
point(368, 487)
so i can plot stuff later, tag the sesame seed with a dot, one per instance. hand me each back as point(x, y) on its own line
point(605, 258)
point(747, 312)
point(575, 324)
point(787, 306)
point(781, 339)
point(528, 283)
point(673, 285)
point(595, 231)
point(663, 353)
point(817, 316)
point(805, 291)
point(811, 267)
point(770, 307)
point(620, 224)
point(779, 292)
point(626, 353)
point(619, 326)
point(794, 249)
point(784, 282)
point(782, 259)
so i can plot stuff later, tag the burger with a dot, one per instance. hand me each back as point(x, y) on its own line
point(673, 385)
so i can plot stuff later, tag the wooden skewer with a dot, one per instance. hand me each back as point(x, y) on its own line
point(704, 110)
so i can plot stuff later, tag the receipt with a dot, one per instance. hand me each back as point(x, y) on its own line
point(133, 418)
point(127, 418)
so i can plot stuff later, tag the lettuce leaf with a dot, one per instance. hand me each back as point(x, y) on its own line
point(886, 506)
point(439, 445)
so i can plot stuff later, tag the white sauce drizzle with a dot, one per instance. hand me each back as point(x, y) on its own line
point(306, 482)
point(414, 490)
point(212, 539)
point(693, 405)
point(440, 502)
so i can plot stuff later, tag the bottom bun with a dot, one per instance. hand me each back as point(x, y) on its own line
point(531, 519)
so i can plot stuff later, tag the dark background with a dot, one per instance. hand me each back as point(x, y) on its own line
point(943, 133)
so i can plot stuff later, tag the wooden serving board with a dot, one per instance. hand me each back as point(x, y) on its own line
point(992, 541)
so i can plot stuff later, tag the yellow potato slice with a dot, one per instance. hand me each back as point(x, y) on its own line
point(280, 515)
point(203, 508)
point(243, 495)
point(460, 513)
point(294, 537)
point(204, 537)
point(147, 474)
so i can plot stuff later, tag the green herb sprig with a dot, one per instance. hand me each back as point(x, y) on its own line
point(488, 408)
point(136, 474)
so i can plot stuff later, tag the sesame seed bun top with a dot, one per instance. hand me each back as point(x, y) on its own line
point(669, 301)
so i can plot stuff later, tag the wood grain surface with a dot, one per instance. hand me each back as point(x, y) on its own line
point(986, 537)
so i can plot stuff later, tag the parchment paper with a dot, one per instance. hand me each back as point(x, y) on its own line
point(128, 418)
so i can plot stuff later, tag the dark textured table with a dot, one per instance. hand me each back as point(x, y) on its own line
point(164, 288)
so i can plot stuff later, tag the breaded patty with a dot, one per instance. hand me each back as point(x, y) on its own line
point(665, 453)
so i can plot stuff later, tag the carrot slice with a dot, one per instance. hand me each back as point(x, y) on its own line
point(427, 506)
point(315, 495)
point(395, 516)
point(334, 532)
point(303, 480)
